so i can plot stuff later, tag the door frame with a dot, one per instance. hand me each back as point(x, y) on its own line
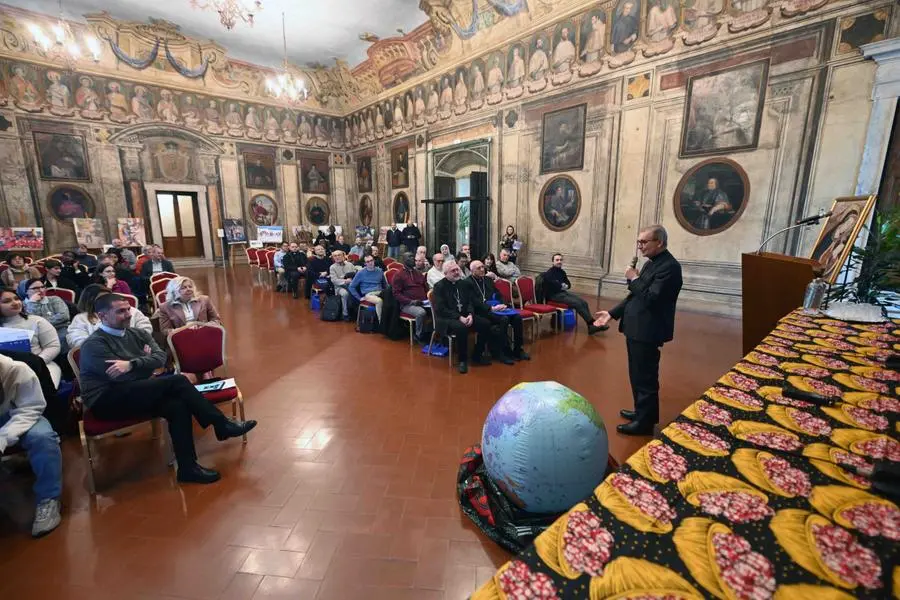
point(202, 204)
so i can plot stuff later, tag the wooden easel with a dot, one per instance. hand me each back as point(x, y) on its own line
point(232, 247)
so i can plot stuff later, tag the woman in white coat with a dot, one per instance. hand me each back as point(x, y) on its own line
point(44, 339)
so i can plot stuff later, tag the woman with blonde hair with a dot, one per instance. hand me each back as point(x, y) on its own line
point(183, 305)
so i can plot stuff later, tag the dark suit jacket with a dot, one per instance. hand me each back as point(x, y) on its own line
point(147, 267)
point(444, 298)
point(648, 313)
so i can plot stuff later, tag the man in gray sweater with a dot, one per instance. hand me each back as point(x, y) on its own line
point(21, 405)
point(117, 383)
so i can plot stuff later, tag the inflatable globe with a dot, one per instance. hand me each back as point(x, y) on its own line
point(545, 446)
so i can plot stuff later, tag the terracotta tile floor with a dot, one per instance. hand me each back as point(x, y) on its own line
point(347, 486)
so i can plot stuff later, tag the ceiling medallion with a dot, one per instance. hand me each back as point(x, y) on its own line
point(285, 86)
point(61, 44)
point(230, 11)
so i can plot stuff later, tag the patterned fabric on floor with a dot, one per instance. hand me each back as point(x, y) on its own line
point(747, 494)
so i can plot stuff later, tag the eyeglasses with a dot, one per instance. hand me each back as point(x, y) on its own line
point(35, 288)
point(645, 242)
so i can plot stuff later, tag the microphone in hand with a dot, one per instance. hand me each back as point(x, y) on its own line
point(634, 261)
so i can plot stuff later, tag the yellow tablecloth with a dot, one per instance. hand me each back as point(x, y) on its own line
point(747, 494)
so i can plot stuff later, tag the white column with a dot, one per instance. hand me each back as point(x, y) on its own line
point(884, 106)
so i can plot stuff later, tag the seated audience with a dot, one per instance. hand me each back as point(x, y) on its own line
point(341, 273)
point(87, 322)
point(277, 259)
point(485, 291)
point(294, 263)
point(183, 305)
point(463, 260)
point(368, 284)
point(85, 257)
point(341, 245)
point(556, 287)
point(490, 266)
point(464, 249)
point(52, 308)
point(376, 254)
point(22, 403)
point(411, 291)
point(108, 276)
point(321, 239)
point(456, 314)
point(445, 252)
point(117, 383)
point(506, 269)
point(143, 257)
point(422, 264)
point(317, 268)
point(44, 342)
point(358, 247)
point(55, 278)
point(158, 263)
point(330, 237)
point(126, 256)
point(74, 271)
point(18, 271)
point(435, 273)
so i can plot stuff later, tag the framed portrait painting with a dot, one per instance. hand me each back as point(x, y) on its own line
point(562, 139)
point(723, 110)
point(400, 212)
point(400, 167)
point(61, 156)
point(314, 175)
point(364, 174)
point(711, 196)
point(263, 210)
point(839, 233)
point(70, 202)
point(366, 211)
point(259, 170)
point(318, 212)
point(560, 203)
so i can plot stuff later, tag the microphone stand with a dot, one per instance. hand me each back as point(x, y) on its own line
point(780, 231)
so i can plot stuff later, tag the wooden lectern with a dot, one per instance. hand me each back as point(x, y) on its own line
point(772, 286)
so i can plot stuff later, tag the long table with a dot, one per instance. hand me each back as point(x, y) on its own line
point(747, 494)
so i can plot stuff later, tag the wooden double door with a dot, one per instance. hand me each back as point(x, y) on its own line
point(179, 216)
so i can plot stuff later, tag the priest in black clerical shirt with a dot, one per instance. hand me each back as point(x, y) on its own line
point(455, 311)
point(484, 291)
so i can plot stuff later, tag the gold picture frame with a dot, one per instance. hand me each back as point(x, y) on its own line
point(838, 234)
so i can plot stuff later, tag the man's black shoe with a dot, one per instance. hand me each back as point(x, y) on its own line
point(231, 429)
point(481, 362)
point(592, 329)
point(628, 414)
point(197, 474)
point(635, 429)
point(521, 355)
point(507, 360)
point(463, 368)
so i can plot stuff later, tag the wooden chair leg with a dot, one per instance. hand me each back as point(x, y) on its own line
point(240, 406)
point(88, 459)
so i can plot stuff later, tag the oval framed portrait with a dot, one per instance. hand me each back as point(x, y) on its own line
point(711, 196)
point(263, 210)
point(560, 203)
point(366, 211)
point(70, 202)
point(317, 211)
point(400, 210)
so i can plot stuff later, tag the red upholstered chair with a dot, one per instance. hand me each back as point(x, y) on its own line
point(560, 307)
point(388, 262)
point(163, 276)
point(41, 268)
point(525, 285)
point(394, 266)
point(67, 295)
point(199, 348)
point(267, 262)
point(353, 257)
point(389, 275)
point(158, 286)
point(132, 300)
point(160, 298)
point(91, 429)
point(252, 257)
point(504, 288)
point(28, 260)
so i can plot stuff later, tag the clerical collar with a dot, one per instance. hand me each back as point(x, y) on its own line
point(665, 250)
point(112, 330)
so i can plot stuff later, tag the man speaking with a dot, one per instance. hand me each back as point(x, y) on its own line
point(647, 318)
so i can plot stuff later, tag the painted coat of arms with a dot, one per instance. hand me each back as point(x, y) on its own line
point(173, 163)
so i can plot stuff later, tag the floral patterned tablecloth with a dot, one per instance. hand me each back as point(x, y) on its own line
point(747, 494)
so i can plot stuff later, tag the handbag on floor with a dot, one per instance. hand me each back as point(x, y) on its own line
point(331, 308)
point(368, 320)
